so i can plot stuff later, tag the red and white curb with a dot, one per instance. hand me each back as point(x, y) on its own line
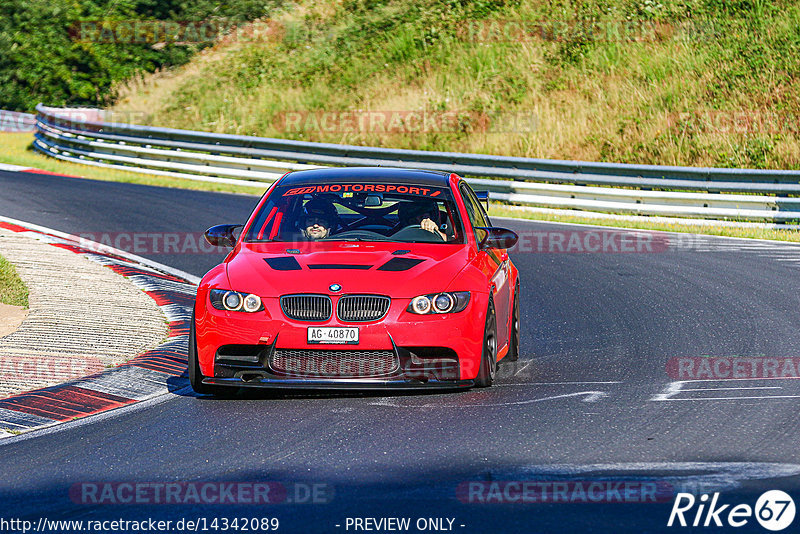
point(147, 375)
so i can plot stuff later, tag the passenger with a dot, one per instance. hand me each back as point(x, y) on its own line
point(319, 219)
point(425, 213)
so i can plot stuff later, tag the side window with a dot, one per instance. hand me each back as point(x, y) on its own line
point(474, 211)
point(479, 204)
point(485, 214)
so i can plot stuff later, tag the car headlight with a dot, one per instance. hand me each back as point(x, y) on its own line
point(252, 303)
point(450, 302)
point(223, 299)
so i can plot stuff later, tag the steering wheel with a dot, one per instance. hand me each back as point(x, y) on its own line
point(365, 234)
point(367, 219)
point(417, 233)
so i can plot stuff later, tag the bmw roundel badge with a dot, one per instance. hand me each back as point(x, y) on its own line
point(335, 287)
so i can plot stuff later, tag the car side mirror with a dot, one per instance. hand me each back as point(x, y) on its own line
point(496, 238)
point(222, 235)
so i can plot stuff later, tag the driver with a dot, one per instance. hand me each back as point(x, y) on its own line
point(425, 213)
point(319, 219)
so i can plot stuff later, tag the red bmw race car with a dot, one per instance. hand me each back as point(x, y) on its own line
point(367, 278)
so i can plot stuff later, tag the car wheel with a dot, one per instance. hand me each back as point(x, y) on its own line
point(513, 347)
point(195, 376)
point(488, 366)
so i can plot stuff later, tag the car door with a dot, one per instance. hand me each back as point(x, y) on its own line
point(494, 263)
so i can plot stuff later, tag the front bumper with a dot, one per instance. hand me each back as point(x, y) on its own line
point(398, 368)
point(431, 351)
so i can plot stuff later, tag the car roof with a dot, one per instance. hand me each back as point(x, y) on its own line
point(368, 174)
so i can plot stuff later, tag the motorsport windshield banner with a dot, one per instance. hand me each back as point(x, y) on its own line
point(365, 188)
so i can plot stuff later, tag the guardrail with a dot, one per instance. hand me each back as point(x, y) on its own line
point(745, 194)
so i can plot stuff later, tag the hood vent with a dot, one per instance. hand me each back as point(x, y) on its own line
point(400, 264)
point(283, 263)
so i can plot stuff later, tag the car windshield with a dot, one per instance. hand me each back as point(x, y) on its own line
point(357, 212)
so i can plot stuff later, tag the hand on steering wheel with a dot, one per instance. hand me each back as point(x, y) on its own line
point(429, 226)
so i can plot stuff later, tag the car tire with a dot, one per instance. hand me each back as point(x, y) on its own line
point(513, 343)
point(488, 365)
point(195, 375)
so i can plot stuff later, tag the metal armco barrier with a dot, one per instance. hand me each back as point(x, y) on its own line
point(81, 135)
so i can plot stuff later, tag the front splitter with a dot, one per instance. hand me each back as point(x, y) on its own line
point(340, 384)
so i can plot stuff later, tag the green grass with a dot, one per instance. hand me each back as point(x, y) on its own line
point(15, 149)
point(671, 97)
point(12, 289)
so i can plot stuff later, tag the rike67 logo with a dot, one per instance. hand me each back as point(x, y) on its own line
point(774, 510)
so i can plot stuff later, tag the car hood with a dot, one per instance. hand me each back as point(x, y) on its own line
point(396, 269)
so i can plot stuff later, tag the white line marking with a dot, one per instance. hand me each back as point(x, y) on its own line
point(768, 378)
point(673, 388)
point(591, 396)
point(734, 398)
point(518, 371)
point(387, 401)
point(734, 389)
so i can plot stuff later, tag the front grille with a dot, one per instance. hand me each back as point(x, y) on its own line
point(361, 308)
point(335, 363)
point(307, 307)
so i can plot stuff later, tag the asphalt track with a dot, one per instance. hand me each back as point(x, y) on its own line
point(590, 400)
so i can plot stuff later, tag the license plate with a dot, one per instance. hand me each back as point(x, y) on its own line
point(333, 335)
